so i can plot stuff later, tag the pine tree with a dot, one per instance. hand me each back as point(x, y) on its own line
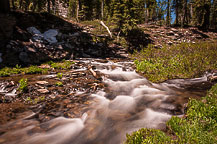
point(72, 9)
point(168, 13)
point(177, 6)
point(87, 7)
point(213, 15)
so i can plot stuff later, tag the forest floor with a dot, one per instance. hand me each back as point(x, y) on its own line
point(48, 94)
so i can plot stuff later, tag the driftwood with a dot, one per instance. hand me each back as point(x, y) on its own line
point(102, 23)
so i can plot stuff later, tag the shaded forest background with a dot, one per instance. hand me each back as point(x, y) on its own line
point(125, 14)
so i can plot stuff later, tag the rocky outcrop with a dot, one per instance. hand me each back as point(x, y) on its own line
point(38, 38)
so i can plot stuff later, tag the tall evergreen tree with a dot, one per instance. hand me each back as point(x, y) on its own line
point(213, 15)
point(168, 16)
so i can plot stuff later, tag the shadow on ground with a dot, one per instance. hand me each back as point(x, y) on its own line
point(137, 40)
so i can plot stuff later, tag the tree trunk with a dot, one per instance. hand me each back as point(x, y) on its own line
point(213, 15)
point(48, 6)
point(177, 12)
point(78, 7)
point(35, 3)
point(102, 10)
point(184, 13)
point(21, 4)
point(13, 5)
point(4, 6)
point(206, 16)
point(168, 13)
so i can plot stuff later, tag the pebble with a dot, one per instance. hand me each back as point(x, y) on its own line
point(43, 91)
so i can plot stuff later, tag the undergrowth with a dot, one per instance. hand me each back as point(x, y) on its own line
point(18, 70)
point(198, 126)
point(61, 65)
point(179, 61)
point(23, 83)
point(8, 71)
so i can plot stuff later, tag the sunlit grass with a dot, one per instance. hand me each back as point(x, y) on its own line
point(179, 61)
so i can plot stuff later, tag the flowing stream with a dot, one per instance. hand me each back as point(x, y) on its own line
point(129, 102)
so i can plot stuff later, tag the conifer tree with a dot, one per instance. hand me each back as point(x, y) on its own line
point(168, 13)
point(213, 15)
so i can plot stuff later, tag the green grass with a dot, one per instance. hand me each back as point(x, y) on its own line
point(61, 65)
point(97, 28)
point(18, 70)
point(198, 126)
point(59, 84)
point(179, 61)
point(35, 69)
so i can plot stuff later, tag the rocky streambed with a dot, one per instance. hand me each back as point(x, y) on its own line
point(96, 101)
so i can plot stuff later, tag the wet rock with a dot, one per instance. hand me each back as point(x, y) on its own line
point(33, 30)
point(42, 82)
point(10, 96)
point(43, 91)
point(50, 36)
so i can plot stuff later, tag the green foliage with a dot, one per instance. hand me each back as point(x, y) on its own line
point(23, 83)
point(17, 70)
point(72, 8)
point(123, 15)
point(61, 65)
point(35, 100)
point(59, 75)
point(179, 61)
point(34, 69)
point(198, 126)
point(60, 84)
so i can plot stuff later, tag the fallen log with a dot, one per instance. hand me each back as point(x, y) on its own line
point(102, 23)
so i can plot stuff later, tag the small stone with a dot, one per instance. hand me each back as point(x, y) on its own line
point(170, 43)
point(31, 49)
point(42, 82)
point(173, 29)
point(176, 35)
point(43, 91)
point(60, 47)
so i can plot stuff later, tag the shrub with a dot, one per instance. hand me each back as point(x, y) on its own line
point(23, 85)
